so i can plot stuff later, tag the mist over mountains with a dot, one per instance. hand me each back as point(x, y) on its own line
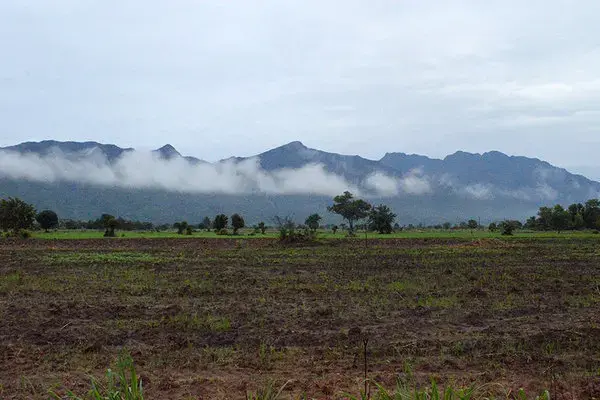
point(83, 179)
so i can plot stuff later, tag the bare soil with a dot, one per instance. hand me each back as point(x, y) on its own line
point(215, 318)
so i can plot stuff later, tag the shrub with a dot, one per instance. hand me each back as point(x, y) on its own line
point(289, 232)
point(507, 228)
point(19, 234)
point(222, 231)
point(262, 227)
point(237, 223)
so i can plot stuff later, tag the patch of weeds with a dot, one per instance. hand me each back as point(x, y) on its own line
point(219, 355)
point(10, 281)
point(195, 322)
point(121, 384)
point(117, 257)
point(400, 287)
point(268, 355)
point(269, 392)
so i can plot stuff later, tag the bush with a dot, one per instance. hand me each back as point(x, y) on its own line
point(109, 233)
point(222, 232)
point(20, 234)
point(289, 232)
point(507, 228)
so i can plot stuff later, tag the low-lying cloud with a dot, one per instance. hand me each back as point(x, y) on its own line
point(144, 170)
point(414, 182)
point(147, 170)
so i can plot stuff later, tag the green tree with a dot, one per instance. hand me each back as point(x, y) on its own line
point(15, 214)
point(531, 223)
point(262, 227)
point(237, 222)
point(472, 224)
point(507, 228)
point(313, 222)
point(220, 222)
point(544, 220)
point(560, 218)
point(591, 213)
point(350, 209)
point(578, 222)
point(181, 227)
point(47, 219)
point(110, 224)
point(205, 224)
point(493, 227)
point(381, 219)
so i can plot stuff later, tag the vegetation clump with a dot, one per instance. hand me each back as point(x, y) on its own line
point(16, 215)
point(237, 223)
point(350, 209)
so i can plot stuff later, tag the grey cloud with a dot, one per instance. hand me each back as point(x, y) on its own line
point(235, 77)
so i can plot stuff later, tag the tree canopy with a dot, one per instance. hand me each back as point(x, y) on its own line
point(220, 222)
point(312, 221)
point(237, 222)
point(47, 219)
point(350, 209)
point(15, 214)
point(381, 219)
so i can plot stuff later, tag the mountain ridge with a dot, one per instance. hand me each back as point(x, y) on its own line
point(456, 185)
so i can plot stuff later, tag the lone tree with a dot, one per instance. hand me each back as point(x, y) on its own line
point(237, 222)
point(262, 227)
point(47, 219)
point(110, 223)
point(472, 224)
point(507, 228)
point(313, 222)
point(350, 209)
point(381, 219)
point(220, 222)
point(15, 214)
point(181, 227)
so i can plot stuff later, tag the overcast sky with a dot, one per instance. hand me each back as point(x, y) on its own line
point(220, 78)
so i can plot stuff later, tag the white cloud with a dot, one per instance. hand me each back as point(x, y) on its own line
point(479, 191)
point(146, 170)
point(413, 183)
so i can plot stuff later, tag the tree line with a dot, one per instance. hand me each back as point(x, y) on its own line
point(576, 216)
point(17, 216)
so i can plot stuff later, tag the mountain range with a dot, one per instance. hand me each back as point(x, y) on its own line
point(84, 179)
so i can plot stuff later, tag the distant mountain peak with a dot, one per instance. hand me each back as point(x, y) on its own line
point(296, 145)
point(168, 152)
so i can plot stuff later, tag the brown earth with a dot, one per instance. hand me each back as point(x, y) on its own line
point(215, 318)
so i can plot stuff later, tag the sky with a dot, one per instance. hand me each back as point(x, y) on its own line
point(222, 78)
